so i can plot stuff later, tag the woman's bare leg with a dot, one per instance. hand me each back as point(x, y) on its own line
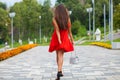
point(59, 59)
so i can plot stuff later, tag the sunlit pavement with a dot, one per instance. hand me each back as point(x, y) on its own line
point(95, 63)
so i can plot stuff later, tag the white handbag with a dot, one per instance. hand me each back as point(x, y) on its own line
point(74, 59)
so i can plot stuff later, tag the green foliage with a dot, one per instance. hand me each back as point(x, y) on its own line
point(46, 19)
point(77, 12)
point(102, 29)
point(82, 31)
point(99, 5)
point(117, 17)
point(78, 9)
point(26, 21)
point(2, 5)
point(86, 43)
point(117, 40)
point(78, 29)
point(116, 2)
point(70, 4)
point(75, 27)
point(3, 25)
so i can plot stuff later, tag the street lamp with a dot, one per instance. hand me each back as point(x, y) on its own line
point(40, 28)
point(111, 18)
point(93, 1)
point(89, 10)
point(104, 23)
point(109, 22)
point(12, 15)
point(93, 17)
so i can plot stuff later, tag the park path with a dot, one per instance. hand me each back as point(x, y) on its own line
point(95, 63)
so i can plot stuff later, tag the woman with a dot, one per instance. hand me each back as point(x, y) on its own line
point(62, 40)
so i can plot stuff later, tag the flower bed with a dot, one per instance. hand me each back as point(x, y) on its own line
point(102, 44)
point(15, 51)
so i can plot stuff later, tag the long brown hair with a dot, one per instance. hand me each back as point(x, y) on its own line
point(61, 16)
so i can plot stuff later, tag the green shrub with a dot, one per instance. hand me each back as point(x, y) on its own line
point(78, 29)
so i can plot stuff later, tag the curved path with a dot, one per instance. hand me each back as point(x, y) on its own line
point(95, 63)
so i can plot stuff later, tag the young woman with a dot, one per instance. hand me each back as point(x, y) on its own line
point(62, 40)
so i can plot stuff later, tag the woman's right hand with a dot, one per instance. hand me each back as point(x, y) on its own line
point(60, 42)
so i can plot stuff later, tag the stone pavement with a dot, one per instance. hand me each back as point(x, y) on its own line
point(95, 63)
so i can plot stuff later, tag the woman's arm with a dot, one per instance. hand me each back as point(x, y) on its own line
point(57, 30)
point(70, 33)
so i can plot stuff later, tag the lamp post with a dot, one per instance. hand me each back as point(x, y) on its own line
point(12, 15)
point(93, 17)
point(111, 19)
point(109, 23)
point(89, 10)
point(40, 28)
point(104, 23)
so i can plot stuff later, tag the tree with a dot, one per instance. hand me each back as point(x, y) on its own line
point(78, 29)
point(3, 25)
point(27, 19)
point(3, 6)
point(27, 22)
point(78, 8)
point(79, 13)
point(46, 19)
point(4, 22)
point(70, 4)
point(117, 17)
point(116, 2)
point(75, 27)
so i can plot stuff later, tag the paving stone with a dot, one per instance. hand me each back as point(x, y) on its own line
point(111, 78)
point(67, 78)
point(95, 63)
point(17, 79)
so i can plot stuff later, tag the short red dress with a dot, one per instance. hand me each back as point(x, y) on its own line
point(66, 44)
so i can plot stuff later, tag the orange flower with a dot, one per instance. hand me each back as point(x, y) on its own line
point(15, 51)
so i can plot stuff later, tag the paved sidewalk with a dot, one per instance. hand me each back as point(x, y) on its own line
point(95, 63)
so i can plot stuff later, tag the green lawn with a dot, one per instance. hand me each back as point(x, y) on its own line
point(86, 43)
point(16, 44)
point(117, 40)
point(1, 45)
point(44, 44)
point(109, 42)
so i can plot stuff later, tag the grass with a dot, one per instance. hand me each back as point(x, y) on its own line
point(16, 44)
point(117, 40)
point(44, 44)
point(108, 42)
point(1, 45)
point(86, 43)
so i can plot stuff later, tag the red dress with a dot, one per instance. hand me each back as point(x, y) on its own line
point(66, 44)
